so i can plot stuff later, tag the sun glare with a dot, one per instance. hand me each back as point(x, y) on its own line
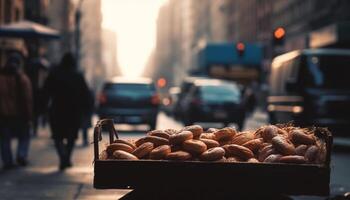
point(134, 22)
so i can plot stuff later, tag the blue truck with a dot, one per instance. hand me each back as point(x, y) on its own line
point(240, 62)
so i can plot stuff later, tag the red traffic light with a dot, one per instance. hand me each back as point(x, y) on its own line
point(240, 46)
point(161, 82)
point(279, 33)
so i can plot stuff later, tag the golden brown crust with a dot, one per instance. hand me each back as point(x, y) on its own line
point(210, 143)
point(159, 133)
point(253, 145)
point(225, 142)
point(273, 158)
point(213, 154)
point(123, 155)
point(298, 136)
point(125, 142)
point(194, 146)
point(171, 131)
point(252, 160)
point(243, 137)
point(269, 132)
point(292, 159)
point(160, 152)
point(283, 133)
point(210, 136)
point(237, 150)
point(179, 156)
point(118, 146)
point(195, 129)
point(157, 141)
point(225, 134)
point(273, 143)
point(265, 152)
point(180, 137)
point(283, 145)
point(143, 150)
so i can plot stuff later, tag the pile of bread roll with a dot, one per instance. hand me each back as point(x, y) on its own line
point(268, 144)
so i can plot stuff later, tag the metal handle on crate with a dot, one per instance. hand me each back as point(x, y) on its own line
point(107, 123)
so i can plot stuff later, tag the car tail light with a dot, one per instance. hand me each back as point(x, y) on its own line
point(102, 98)
point(155, 99)
point(196, 102)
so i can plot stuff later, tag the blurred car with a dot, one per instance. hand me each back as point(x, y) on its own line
point(185, 87)
point(214, 101)
point(311, 87)
point(171, 100)
point(129, 101)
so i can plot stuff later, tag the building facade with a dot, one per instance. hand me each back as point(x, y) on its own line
point(11, 11)
point(91, 43)
point(183, 28)
point(109, 53)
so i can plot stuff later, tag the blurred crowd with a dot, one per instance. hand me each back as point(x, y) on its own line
point(32, 93)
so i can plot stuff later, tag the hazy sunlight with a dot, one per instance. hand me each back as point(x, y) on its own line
point(134, 22)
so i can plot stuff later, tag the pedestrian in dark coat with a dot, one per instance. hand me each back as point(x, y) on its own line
point(86, 122)
point(67, 94)
point(16, 111)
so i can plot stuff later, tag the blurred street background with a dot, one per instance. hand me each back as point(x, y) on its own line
point(169, 63)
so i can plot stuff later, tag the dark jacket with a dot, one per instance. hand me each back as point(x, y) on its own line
point(67, 94)
point(15, 97)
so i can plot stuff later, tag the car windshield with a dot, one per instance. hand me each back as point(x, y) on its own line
point(220, 93)
point(130, 90)
point(328, 72)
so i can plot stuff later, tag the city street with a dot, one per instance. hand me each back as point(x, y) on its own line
point(278, 70)
point(42, 180)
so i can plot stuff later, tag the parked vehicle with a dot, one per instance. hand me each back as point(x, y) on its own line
point(311, 87)
point(169, 102)
point(214, 101)
point(129, 101)
point(185, 87)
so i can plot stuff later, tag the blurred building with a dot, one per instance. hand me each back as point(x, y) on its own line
point(300, 18)
point(109, 53)
point(166, 58)
point(91, 43)
point(183, 27)
point(37, 10)
point(242, 19)
point(61, 17)
point(10, 11)
point(219, 16)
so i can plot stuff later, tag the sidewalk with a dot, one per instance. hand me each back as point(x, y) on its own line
point(42, 180)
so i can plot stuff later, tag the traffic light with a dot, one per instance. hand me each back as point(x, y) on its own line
point(240, 47)
point(161, 82)
point(278, 36)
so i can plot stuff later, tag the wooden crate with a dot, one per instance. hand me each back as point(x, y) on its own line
point(240, 178)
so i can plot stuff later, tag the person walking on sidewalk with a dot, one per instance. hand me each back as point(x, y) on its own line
point(67, 94)
point(15, 111)
point(86, 122)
